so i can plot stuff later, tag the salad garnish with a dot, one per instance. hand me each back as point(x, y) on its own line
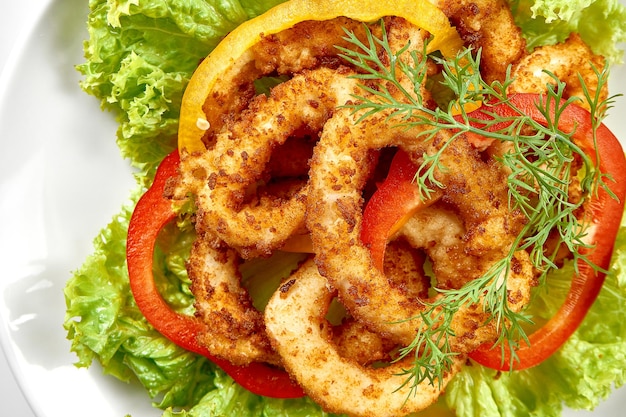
point(139, 60)
point(544, 159)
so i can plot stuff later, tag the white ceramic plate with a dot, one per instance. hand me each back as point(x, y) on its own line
point(61, 180)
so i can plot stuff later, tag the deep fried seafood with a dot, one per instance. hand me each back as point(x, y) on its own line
point(297, 327)
point(567, 61)
point(334, 220)
point(471, 226)
point(487, 25)
point(404, 269)
point(464, 233)
point(307, 45)
point(235, 216)
point(356, 342)
point(234, 328)
point(442, 235)
point(221, 178)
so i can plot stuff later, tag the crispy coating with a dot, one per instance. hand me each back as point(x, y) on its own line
point(567, 61)
point(487, 25)
point(404, 269)
point(296, 161)
point(472, 225)
point(307, 45)
point(222, 178)
point(334, 221)
point(234, 330)
point(353, 340)
point(298, 330)
point(236, 214)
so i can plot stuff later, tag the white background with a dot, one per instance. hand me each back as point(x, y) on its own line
point(16, 19)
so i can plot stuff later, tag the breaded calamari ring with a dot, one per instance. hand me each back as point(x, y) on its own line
point(404, 269)
point(234, 329)
point(567, 61)
point(472, 226)
point(334, 218)
point(306, 45)
point(222, 178)
point(487, 25)
point(301, 335)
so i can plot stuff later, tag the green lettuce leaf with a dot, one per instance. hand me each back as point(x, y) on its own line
point(104, 323)
point(601, 23)
point(139, 57)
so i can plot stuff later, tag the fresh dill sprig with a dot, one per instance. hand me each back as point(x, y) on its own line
point(544, 163)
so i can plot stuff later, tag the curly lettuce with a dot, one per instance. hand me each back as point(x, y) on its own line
point(104, 323)
point(600, 23)
point(139, 57)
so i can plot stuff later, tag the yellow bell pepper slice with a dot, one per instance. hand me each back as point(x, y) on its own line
point(420, 13)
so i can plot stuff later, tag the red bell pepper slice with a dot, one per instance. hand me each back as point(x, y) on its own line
point(605, 212)
point(153, 211)
point(395, 200)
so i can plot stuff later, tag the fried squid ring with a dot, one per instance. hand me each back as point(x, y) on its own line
point(487, 25)
point(221, 179)
point(404, 271)
point(471, 226)
point(567, 61)
point(307, 45)
point(334, 220)
point(236, 218)
point(234, 329)
point(301, 335)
